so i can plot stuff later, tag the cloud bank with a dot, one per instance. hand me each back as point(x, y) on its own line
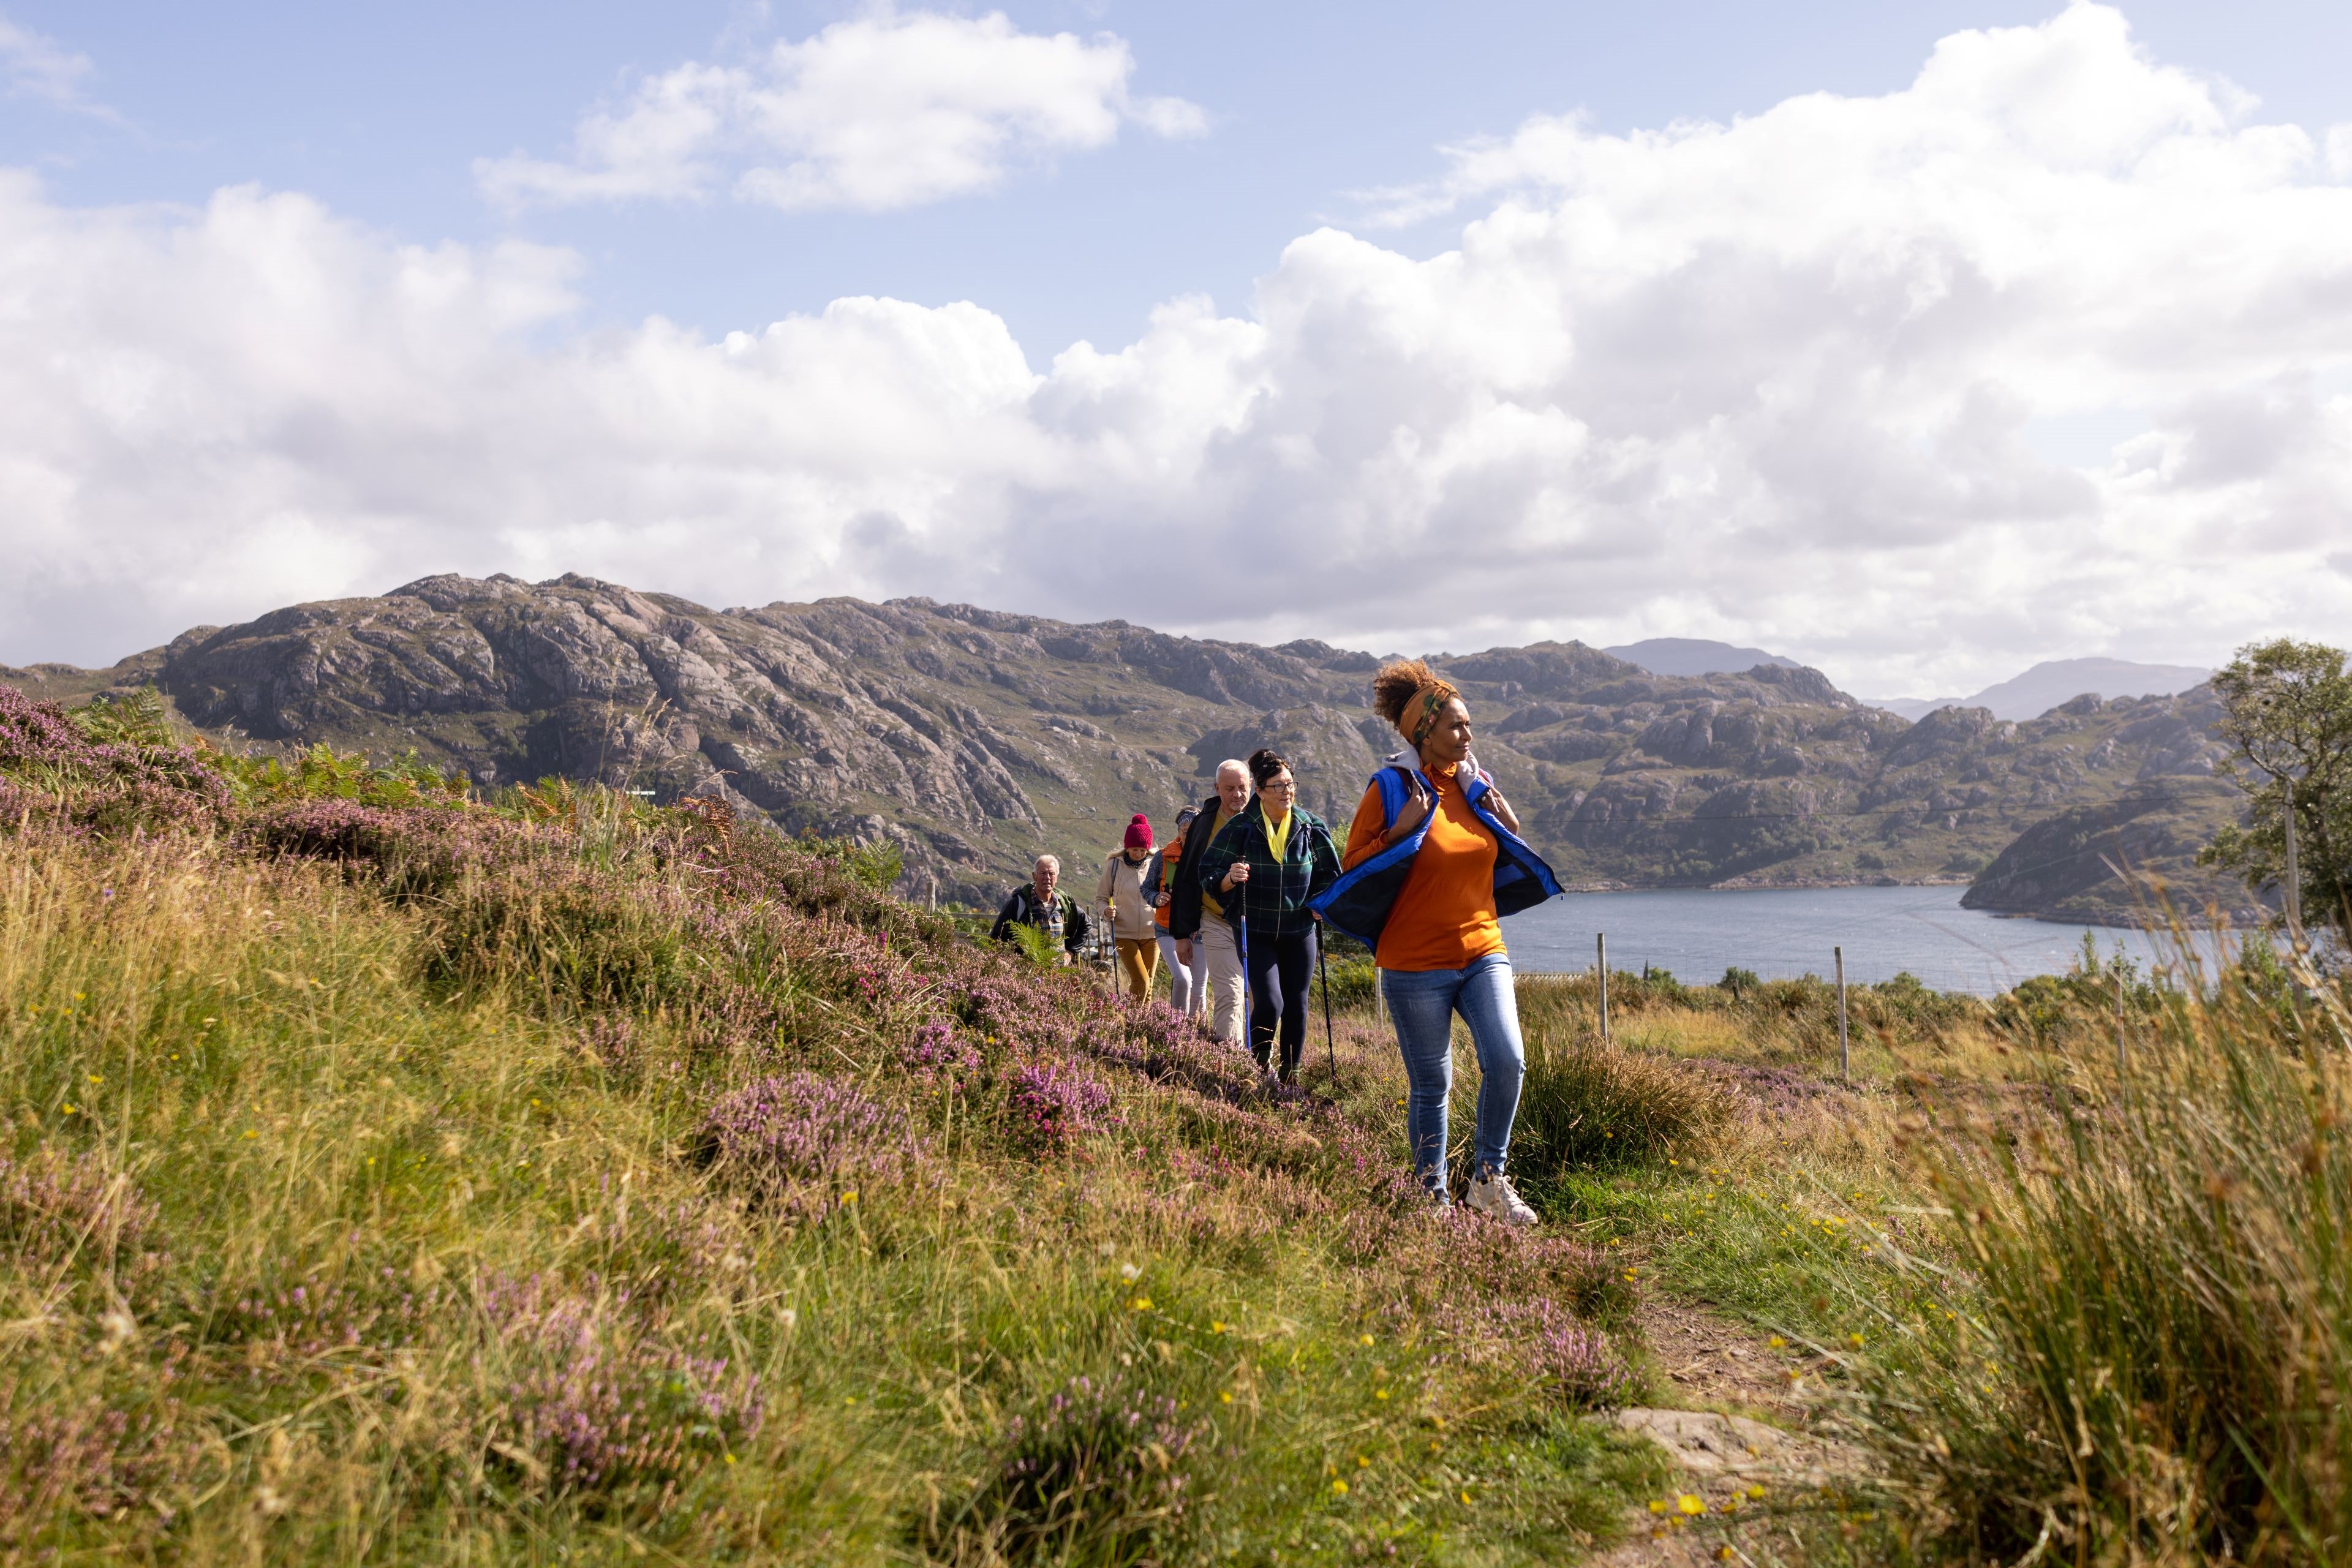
point(1791, 380)
point(881, 111)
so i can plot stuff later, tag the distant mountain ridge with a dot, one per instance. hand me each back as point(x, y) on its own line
point(974, 739)
point(1695, 656)
point(2057, 680)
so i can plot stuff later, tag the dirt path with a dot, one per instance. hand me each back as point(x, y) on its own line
point(1745, 1438)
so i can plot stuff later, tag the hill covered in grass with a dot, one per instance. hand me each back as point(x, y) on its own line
point(973, 739)
point(392, 1174)
point(391, 1177)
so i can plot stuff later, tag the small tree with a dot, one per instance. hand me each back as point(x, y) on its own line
point(2287, 708)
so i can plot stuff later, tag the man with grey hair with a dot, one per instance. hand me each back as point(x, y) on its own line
point(1197, 920)
point(1040, 904)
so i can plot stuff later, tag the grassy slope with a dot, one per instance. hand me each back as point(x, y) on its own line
point(321, 1200)
point(359, 1204)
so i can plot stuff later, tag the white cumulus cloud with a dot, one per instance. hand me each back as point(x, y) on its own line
point(885, 110)
point(1786, 381)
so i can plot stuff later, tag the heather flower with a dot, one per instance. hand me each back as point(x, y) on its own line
point(328, 829)
point(810, 1137)
point(86, 1455)
point(53, 1207)
point(1580, 1364)
point(287, 1325)
point(597, 1402)
point(936, 1057)
point(1054, 1105)
point(55, 767)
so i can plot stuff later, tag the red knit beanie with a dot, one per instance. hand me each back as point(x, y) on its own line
point(1138, 831)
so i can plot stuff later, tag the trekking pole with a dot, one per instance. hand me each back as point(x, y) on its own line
point(1249, 994)
point(1330, 1050)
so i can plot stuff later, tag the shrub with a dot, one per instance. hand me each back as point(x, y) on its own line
point(328, 829)
point(84, 1454)
point(1349, 983)
point(59, 769)
point(1095, 1475)
point(1053, 1106)
point(591, 1402)
point(54, 1209)
point(1584, 1103)
point(1578, 1364)
point(938, 1059)
point(321, 772)
point(812, 1139)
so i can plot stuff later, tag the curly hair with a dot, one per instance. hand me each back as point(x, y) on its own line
point(1409, 694)
point(1264, 764)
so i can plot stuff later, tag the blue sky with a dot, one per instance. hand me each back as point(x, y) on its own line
point(1917, 341)
point(381, 110)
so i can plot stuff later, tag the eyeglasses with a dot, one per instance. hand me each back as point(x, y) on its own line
point(1284, 785)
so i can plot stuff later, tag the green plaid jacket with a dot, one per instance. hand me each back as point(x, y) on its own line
point(1274, 900)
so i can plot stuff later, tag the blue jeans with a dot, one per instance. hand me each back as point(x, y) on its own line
point(1424, 1002)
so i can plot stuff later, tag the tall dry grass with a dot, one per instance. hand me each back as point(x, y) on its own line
point(2143, 1352)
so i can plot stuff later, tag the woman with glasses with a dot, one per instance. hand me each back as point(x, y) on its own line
point(1263, 868)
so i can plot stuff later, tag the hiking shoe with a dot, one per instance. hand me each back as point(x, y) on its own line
point(1491, 1194)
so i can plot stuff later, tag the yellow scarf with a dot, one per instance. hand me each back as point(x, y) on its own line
point(1277, 836)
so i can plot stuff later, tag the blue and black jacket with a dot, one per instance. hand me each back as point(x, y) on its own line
point(1359, 902)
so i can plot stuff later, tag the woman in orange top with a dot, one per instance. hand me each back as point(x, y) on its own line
point(1441, 951)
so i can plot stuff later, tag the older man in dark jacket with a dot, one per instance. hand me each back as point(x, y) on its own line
point(1197, 920)
point(1039, 904)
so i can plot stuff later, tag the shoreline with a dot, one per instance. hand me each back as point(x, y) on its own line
point(2103, 920)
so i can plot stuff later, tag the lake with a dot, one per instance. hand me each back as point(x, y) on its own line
point(1781, 933)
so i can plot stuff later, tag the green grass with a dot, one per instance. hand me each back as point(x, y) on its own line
point(354, 1212)
point(366, 1196)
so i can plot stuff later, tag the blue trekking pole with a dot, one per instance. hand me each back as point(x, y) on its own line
point(1249, 996)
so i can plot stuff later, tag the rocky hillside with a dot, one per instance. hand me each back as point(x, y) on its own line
point(974, 739)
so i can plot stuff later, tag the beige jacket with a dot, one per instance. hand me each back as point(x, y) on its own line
point(1121, 887)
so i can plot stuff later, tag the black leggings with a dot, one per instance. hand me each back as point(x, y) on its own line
point(1289, 955)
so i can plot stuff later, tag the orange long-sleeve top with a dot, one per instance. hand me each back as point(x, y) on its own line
point(1445, 916)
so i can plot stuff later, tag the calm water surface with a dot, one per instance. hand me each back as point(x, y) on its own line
point(1699, 932)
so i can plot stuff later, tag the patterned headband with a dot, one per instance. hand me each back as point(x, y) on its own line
point(1429, 702)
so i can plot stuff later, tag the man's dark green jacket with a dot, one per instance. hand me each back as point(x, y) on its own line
point(1274, 900)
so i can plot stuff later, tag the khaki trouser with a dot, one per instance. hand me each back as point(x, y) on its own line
point(1138, 962)
point(1217, 965)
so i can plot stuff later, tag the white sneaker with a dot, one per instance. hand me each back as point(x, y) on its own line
point(1492, 1195)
